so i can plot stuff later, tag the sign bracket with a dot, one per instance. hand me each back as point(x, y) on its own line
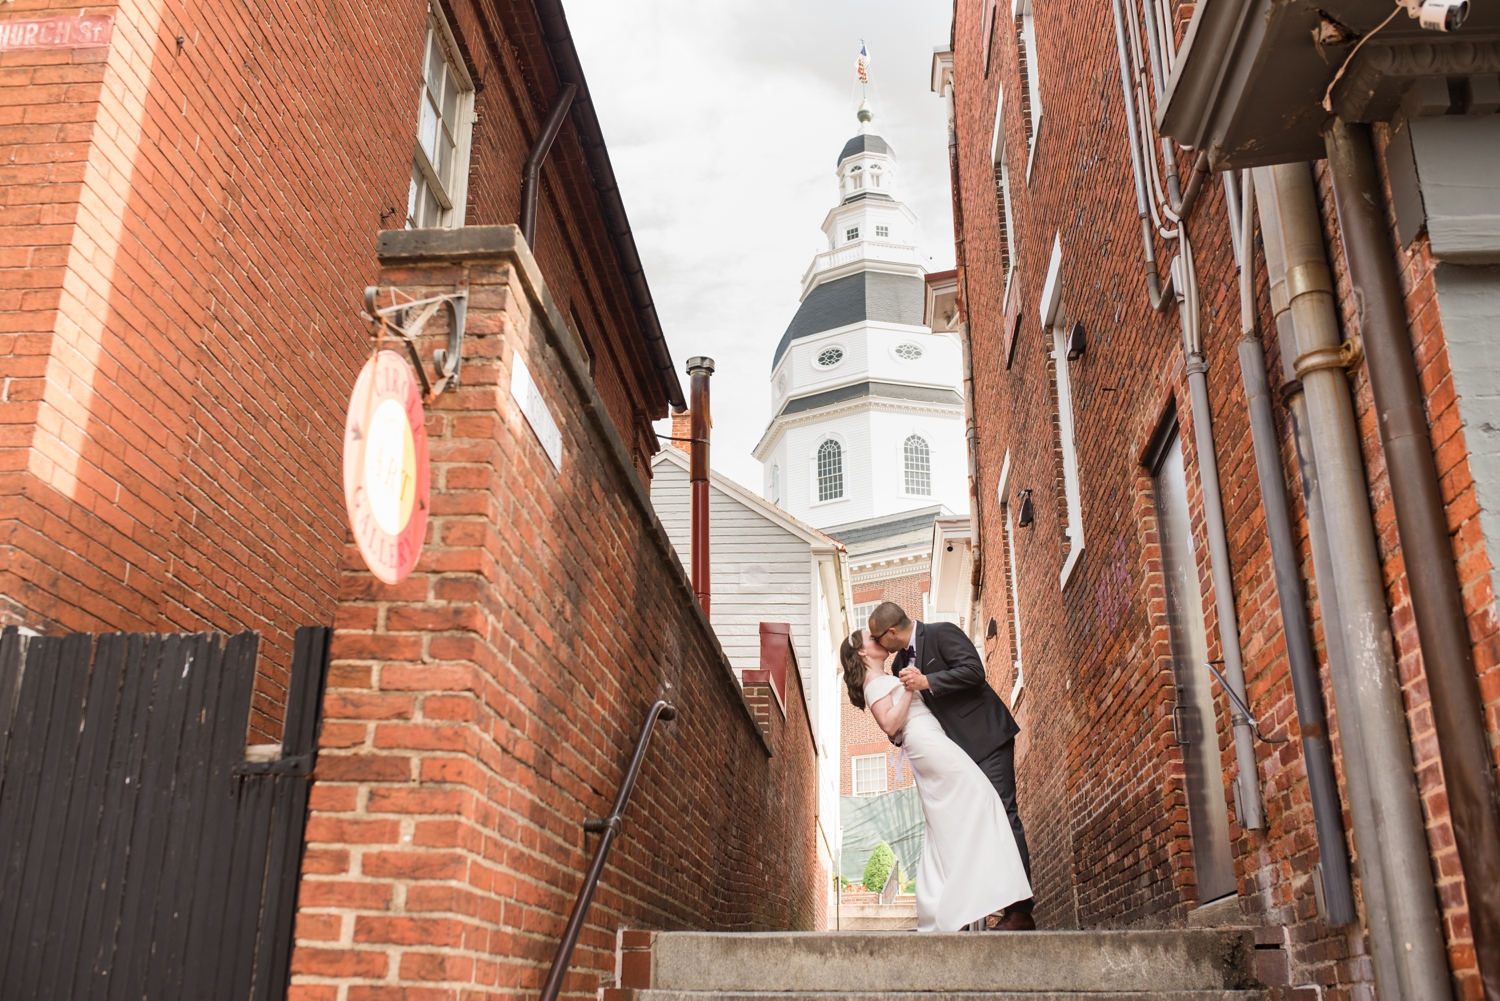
point(409, 317)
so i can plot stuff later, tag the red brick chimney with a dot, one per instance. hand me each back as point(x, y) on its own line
point(682, 430)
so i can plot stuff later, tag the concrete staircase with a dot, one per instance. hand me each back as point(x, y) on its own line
point(865, 912)
point(1186, 965)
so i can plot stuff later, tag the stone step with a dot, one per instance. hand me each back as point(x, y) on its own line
point(850, 964)
point(879, 922)
point(902, 907)
point(655, 995)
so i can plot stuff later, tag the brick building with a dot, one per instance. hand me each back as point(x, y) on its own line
point(1132, 508)
point(190, 199)
point(188, 217)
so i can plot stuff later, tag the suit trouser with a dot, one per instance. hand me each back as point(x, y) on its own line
point(999, 766)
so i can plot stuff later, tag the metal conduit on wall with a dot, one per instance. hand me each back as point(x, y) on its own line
point(1426, 547)
point(1356, 769)
point(1183, 285)
point(1388, 827)
point(1336, 899)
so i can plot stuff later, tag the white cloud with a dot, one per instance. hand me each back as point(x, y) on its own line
point(723, 122)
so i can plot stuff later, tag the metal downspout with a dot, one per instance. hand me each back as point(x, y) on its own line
point(1247, 780)
point(1337, 897)
point(1388, 826)
point(1182, 284)
point(1351, 734)
point(1426, 546)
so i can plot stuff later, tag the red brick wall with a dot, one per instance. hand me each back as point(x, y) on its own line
point(480, 711)
point(859, 734)
point(1100, 775)
point(187, 232)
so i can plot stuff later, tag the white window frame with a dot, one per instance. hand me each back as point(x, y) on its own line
point(884, 771)
point(1014, 597)
point(851, 234)
point(882, 232)
point(998, 159)
point(1053, 319)
point(1022, 8)
point(861, 613)
point(451, 215)
point(905, 473)
point(816, 491)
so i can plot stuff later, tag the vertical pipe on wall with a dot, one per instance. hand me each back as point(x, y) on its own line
point(1388, 826)
point(1356, 769)
point(1248, 808)
point(699, 369)
point(1426, 547)
point(1337, 898)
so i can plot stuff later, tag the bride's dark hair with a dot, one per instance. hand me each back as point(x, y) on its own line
point(854, 667)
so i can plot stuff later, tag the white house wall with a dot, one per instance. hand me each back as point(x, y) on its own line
point(760, 572)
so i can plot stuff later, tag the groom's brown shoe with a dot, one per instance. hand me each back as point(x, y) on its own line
point(1015, 921)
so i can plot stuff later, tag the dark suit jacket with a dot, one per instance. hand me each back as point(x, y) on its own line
point(960, 696)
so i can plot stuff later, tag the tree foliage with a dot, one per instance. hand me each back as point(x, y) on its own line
point(878, 868)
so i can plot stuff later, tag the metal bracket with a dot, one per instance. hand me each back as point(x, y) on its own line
point(407, 319)
point(301, 764)
point(1243, 710)
point(1348, 355)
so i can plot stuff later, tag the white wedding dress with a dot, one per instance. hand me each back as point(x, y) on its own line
point(970, 865)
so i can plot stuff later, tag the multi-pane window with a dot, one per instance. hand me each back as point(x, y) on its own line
point(918, 461)
point(874, 177)
point(881, 231)
point(852, 233)
point(869, 774)
point(830, 470)
point(829, 357)
point(908, 352)
point(1002, 185)
point(1031, 94)
point(438, 170)
point(857, 177)
point(861, 614)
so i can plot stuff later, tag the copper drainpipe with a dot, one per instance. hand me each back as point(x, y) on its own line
point(699, 369)
point(1426, 544)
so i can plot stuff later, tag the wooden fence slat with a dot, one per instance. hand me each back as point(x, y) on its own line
point(55, 795)
point(19, 804)
point(221, 804)
point(102, 922)
point(248, 870)
point(188, 802)
point(289, 822)
point(81, 830)
point(143, 872)
point(12, 656)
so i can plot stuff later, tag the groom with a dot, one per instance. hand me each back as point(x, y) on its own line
point(938, 660)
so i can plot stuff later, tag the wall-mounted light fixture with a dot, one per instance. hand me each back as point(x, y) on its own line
point(1024, 515)
point(1077, 341)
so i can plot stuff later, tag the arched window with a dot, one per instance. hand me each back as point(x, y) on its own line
point(857, 176)
point(776, 484)
point(875, 176)
point(918, 466)
point(830, 470)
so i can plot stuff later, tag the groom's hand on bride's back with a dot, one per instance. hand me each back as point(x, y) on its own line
point(914, 680)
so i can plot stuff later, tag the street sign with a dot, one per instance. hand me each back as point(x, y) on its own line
point(386, 478)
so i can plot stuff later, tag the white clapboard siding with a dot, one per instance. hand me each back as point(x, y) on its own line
point(761, 571)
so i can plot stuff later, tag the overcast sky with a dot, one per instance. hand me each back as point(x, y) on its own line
point(724, 121)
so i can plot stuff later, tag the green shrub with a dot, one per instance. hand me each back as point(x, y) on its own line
point(878, 868)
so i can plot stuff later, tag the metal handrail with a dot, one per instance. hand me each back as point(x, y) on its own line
point(610, 827)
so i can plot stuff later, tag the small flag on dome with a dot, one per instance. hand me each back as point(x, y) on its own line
point(862, 64)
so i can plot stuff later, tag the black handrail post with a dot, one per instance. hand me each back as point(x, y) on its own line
point(610, 828)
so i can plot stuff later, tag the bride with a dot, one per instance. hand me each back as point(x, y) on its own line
point(970, 866)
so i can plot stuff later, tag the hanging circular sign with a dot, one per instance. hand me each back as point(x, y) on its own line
point(385, 466)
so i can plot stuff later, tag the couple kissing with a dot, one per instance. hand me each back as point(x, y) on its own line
point(960, 740)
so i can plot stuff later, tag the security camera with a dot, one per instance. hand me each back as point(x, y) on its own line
point(1439, 15)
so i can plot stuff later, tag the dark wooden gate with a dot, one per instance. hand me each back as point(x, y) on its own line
point(140, 855)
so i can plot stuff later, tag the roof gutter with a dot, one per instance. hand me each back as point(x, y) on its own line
point(559, 41)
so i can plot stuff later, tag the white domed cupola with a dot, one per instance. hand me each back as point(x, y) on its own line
point(862, 388)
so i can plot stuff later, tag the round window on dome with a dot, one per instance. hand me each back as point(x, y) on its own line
point(781, 384)
point(829, 357)
point(908, 352)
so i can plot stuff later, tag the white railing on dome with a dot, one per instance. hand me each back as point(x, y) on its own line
point(868, 250)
